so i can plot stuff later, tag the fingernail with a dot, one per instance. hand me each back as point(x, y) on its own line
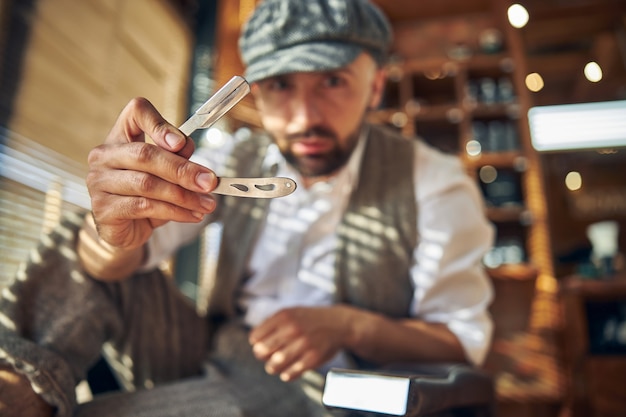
point(197, 215)
point(207, 202)
point(173, 140)
point(205, 180)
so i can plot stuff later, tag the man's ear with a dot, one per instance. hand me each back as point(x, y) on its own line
point(254, 90)
point(255, 93)
point(378, 88)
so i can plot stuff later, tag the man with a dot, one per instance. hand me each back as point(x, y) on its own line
point(375, 258)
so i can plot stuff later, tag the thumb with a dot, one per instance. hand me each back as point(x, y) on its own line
point(140, 118)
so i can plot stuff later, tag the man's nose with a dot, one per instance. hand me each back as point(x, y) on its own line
point(305, 109)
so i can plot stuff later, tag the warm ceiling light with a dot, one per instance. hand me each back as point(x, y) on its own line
point(593, 72)
point(518, 15)
point(573, 181)
point(534, 82)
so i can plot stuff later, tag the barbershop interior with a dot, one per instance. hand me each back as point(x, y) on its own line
point(530, 96)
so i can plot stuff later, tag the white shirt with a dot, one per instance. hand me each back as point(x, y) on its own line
point(292, 263)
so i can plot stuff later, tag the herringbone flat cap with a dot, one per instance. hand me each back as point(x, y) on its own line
point(284, 36)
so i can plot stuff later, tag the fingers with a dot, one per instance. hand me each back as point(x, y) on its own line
point(187, 150)
point(150, 159)
point(125, 149)
point(265, 346)
point(137, 186)
point(293, 359)
point(136, 183)
point(136, 208)
point(285, 350)
point(264, 330)
point(138, 118)
point(290, 370)
point(127, 222)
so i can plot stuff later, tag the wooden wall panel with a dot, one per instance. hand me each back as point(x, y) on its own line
point(86, 60)
point(231, 15)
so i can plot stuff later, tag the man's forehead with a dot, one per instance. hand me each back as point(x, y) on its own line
point(351, 69)
point(310, 74)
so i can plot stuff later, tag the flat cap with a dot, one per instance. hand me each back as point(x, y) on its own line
point(285, 36)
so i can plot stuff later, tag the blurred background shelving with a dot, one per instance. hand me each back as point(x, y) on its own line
point(464, 96)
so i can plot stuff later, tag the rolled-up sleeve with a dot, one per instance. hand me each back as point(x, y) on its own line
point(167, 239)
point(451, 286)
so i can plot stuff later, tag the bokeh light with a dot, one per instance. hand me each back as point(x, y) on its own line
point(518, 16)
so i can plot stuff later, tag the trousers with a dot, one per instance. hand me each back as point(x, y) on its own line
point(56, 322)
point(230, 385)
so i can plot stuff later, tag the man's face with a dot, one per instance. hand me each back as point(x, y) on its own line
point(315, 117)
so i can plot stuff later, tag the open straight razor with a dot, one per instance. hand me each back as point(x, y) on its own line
point(210, 112)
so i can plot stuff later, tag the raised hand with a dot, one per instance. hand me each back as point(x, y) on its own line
point(137, 186)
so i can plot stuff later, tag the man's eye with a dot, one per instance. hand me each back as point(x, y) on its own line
point(334, 81)
point(278, 85)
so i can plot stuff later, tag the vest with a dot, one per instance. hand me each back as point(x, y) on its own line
point(376, 236)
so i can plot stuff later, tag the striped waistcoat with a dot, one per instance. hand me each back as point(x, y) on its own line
point(376, 236)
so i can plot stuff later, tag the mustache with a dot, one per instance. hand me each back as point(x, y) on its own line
point(320, 131)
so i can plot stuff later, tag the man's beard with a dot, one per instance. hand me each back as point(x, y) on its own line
point(326, 163)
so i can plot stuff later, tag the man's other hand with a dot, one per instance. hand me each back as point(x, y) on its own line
point(17, 398)
point(298, 339)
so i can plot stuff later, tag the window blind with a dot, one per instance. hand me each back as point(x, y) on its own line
point(36, 186)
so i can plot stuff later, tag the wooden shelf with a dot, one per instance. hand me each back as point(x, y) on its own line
point(479, 62)
point(502, 62)
point(508, 159)
point(382, 116)
point(613, 287)
point(439, 112)
point(505, 214)
point(450, 113)
point(515, 272)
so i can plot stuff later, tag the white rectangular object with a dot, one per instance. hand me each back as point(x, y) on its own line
point(578, 126)
point(367, 392)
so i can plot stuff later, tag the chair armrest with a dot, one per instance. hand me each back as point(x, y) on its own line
point(410, 389)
